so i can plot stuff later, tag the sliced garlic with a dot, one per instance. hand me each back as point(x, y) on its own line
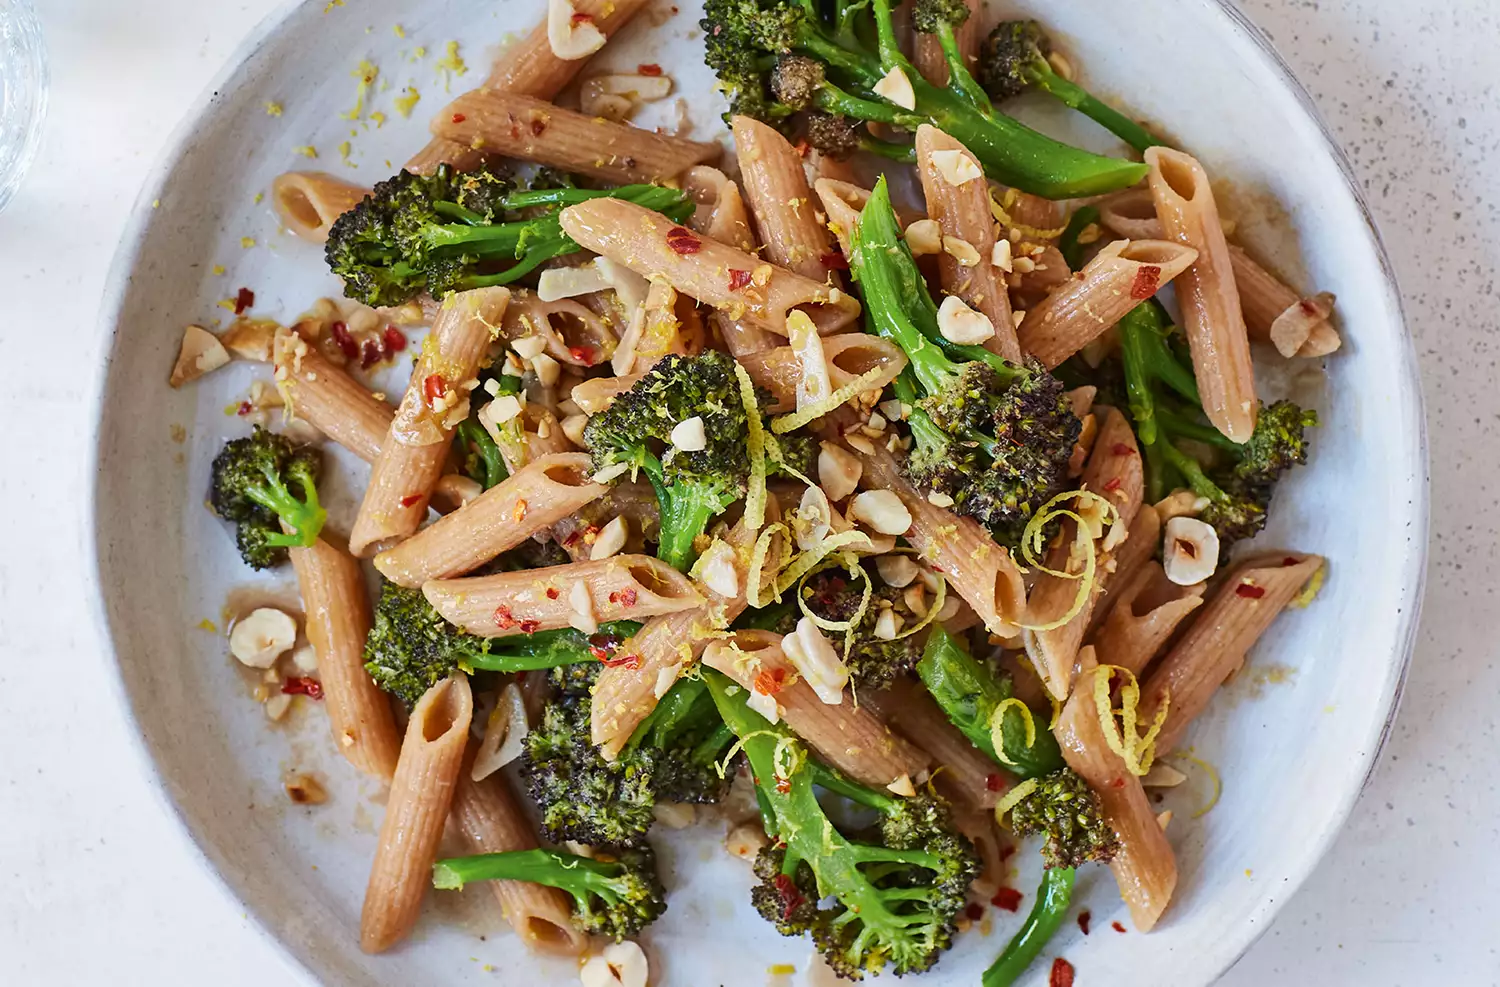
point(814, 658)
point(277, 705)
point(1180, 503)
point(556, 283)
point(1163, 775)
point(765, 705)
point(645, 88)
point(1190, 551)
point(501, 410)
point(504, 734)
point(896, 570)
point(610, 540)
point(717, 571)
point(581, 602)
point(961, 324)
point(201, 353)
point(573, 426)
point(570, 40)
point(882, 510)
point(547, 370)
point(924, 236)
point(262, 636)
point(956, 167)
point(815, 385)
point(666, 678)
point(839, 471)
point(688, 435)
point(630, 288)
point(814, 518)
point(305, 660)
point(621, 964)
point(896, 87)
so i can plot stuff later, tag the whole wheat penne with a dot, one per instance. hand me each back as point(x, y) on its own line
point(963, 773)
point(843, 202)
point(1131, 214)
point(575, 334)
point(537, 497)
point(531, 129)
point(532, 68)
point(539, 435)
point(657, 654)
point(338, 620)
point(1215, 644)
point(1144, 867)
point(1211, 315)
point(489, 817)
point(307, 202)
point(981, 571)
point(927, 51)
point(624, 587)
point(782, 202)
point(1036, 219)
point(962, 210)
point(1265, 300)
point(416, 448)
point(849, 737)
point(415, 813)
point(1119, 278)
point(1142, 540)
point(653, 246)
point(1143, 614)
point(722, 216)
point(328, 398)
point(1113, 471)
point(849, 355)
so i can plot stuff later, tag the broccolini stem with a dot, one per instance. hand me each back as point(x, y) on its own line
point(888, 47)
point(490, 465)
point(550, 867)
point(831, 99)
point(1053, 896)
point(902, 153)
point(1092, 107)
point(1068, 245)
point(960, 79)
point(545, 649)
point(1191, 471)
point(1147, 359)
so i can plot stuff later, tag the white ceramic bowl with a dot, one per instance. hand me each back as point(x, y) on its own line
point(1292, 745)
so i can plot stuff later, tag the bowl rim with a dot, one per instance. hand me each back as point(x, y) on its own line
point(1302, 862)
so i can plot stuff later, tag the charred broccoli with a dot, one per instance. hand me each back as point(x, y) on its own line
point(251, 485)
point(451, 232)
point(411, 647)
point(994, 437)
point(894, 899)
point(615, 895)
point(779, 59)
point(1014, 59)
point(873, 662)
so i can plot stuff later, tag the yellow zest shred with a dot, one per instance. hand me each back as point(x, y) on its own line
point(406, 103)
point(788, 756)
point(855, 572)
point(273, 109)
point(997, 727)
point(1015, 795)
point(1057, 708)
point(775, 455)
point(734, 749)
point(806, 560)
point(755, 495)
point(451, 64)
point(939, 597)
point(365, 73)
point(1137, 751)
point(1033, 540)
point(785, 423)
point(755, 577)
point(1213, 776)
point(1001, 213)
point(1310, 591)
point(306, 150)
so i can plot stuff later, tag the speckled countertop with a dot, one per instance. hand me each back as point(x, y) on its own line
point(97, 884)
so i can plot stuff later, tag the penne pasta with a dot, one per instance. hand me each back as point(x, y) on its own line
point(531, 129)
point(722, 216)
point(1211, 315)
point(539, 435)
point(624, 587)
point(962, 210)
point(489, 817)
point(575, 335)
point(981, 571)
point(1119, 278)
point(532, 68)
point(328, 398)
point(1269, 307)
point(1144, 867)
point(850, 355)
point(416, 447)
point(653, 246)
point(847, 736)
point(1216, 643)
point(338, 619)
point(1142, 540)
point(1143, 615)
point(1132, 215)
point(782, 203)
point(421, 794)
point(962, 771)
point(543, 493)
point(842, 202)
point(307, 202)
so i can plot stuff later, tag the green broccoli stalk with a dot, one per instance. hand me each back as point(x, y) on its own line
point(251, 484)
point(449, 232)
point(411, 647)
point(1067, 245)
point(1013, 59)
point(1048, 910)
point(845, 49)
point(615, 897)
point(995, 437)
point(894, 902)
point(692, 487)
point(1166, 408)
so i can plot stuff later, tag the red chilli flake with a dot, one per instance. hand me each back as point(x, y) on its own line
point(738, 279)
point(504, 619)
point(974, 911)
point(530, 626)
point(791, 897)
point(553, 593)
point(631, 661)
point(1112, 484)
point(582, 354)
point(648, 68)
point(802, 147)
point(299, 685)
point(1117, 926)
point(1084, 918)
point(834, 261)
point(393, 340)
point(770, 681)
point(682, 241)
point(624, 597)
point(1062, 974)
point(1008, 899)
point(243, 299)
point(244, 409)
point(1007, 851)
point(1289, 561)
point(459, 118)
point(783, 785)
point(340, 334)
point(1147, 280)
point(410, 499)
point(581, 18)
point(1250, 591)
point(1121, 449)
point(433, 386)
point(995, 782)
point(370, 354)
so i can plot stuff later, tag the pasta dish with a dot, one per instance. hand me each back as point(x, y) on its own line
point(881, 486)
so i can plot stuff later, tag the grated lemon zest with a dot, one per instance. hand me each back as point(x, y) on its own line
point(739, 744)
point(997, 728)
point(805, 561)
point(1033, 540)
point(1137, 751)
point(1014, 796)
point(755, 495)
point(1310, 591)
point(939, 597)
point(785, 423)
point(365, 73)
point(1213, 776)
point(1000, 213)
point(855, 572)
point(755, 578)
point(787, 757)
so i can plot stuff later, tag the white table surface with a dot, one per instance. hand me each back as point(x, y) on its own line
point(96, 882)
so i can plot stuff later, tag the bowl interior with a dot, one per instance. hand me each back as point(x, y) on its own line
point(1292, 738)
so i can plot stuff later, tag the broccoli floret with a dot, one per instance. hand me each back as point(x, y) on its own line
point(252, 485)
point(411, 647)
point(1014, 59)
point(671, 757)
point(873, 663)
point(894, 900)
point(445, 232)
point(993, 436)
point(1065, 810)
point(615, 895)
point(779, 59)
point(693, 487)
